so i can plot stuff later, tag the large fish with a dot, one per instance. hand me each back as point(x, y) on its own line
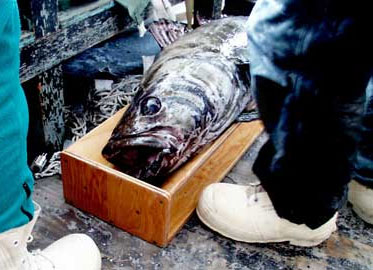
point(194, 90)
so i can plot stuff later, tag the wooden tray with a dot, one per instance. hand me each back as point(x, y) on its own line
point(152, 213)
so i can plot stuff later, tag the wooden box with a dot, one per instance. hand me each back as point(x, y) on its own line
point(152, 213)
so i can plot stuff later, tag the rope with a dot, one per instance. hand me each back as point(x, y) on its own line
point(101, 105)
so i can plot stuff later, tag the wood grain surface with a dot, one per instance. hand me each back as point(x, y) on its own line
point(153, 213)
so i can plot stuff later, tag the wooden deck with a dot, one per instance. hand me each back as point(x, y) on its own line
point(197, 247)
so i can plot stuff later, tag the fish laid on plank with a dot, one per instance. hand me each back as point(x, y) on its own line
point(195, 89)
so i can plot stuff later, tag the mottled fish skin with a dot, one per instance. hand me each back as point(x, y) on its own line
point(195, 89)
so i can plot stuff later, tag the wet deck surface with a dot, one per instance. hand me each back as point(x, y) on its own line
point(196, 246)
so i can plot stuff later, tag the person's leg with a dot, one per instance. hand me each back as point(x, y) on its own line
point(16, 182)
point(72, 252)
point(361, 188)
point(17, 215)
point(309, 71)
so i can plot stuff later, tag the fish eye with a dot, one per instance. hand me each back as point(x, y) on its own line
point(150, 106)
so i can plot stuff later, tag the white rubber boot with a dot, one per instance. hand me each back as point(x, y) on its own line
point(361, 198)
point(239, 213)
point(73, 252)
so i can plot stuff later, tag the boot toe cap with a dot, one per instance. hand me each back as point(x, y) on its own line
point(74, 252)
point(224, 208)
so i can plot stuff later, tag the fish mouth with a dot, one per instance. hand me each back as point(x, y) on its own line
point(143, 157)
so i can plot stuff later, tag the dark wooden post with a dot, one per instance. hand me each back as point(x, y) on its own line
point(45, 21)
point(44, 15)
point(52, 103)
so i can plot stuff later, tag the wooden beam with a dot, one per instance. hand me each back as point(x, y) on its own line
point(51, 50)
point(78, 13)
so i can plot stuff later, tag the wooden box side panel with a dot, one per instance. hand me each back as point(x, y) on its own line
point(185, 198)
point(137, 209)
point(183, 174)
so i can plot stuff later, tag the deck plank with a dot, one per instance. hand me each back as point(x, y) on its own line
point(197, 247)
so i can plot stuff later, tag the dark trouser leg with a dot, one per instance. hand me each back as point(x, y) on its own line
point(309, 71)
point(363, 169)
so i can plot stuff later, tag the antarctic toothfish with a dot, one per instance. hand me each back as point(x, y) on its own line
point(193, 91)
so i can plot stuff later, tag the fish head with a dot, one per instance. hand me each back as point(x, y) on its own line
point(151, 138)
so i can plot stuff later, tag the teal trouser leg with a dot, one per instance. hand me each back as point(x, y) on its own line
point(16, 182)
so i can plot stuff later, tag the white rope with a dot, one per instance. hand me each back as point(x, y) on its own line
point(101, 105)
point(53, 167)
point(105, 103)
